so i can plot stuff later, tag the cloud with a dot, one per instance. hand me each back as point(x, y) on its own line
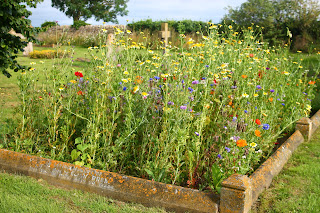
point(203, 10)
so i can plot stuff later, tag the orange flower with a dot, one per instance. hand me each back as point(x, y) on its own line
point(244, 76)
point(257, 133)
point(258, 122)
point(241, 143)
point(230, 103)
point(251, 55)
point(311, 82)
point(139, 79)
point(270, 99)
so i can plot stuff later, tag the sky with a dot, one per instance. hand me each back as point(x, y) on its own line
point(197, 10)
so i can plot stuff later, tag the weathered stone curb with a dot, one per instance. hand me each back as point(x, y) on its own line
point(238, 192)
point(121, 187)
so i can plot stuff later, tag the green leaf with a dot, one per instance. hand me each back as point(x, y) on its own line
point(82, 147)
point(78, 140)
point(75, 154)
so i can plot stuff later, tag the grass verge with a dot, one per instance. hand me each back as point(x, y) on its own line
point(297, 187)
point(25, 194)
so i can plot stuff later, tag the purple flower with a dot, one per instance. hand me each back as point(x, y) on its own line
point(190, 89)
point(228, 149)
point(245, 111)
point(207, 65)
point(197, 133)
point(234, 119)
point(219, 156)
point(266, 126)
point(182, 81)
point(195, 82)
point(233, 87)
point(150, 79)
point(267, 68)
point(203, 78)
point(124, 88)
point(170, 103)
point(272, 90)
point(156, 77)
point(259, 87)
point(183, 107)
point(191, 98)
point(283, 104)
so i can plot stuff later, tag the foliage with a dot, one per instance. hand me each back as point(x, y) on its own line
point(275, 17)
point(106, 10)
point(49, 54)
point(184, 26)
point(48, 24)
point(13, 15)
point(77, 24)
point(187, 117)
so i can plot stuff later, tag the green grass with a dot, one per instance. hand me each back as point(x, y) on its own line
point(297, 187)
point(25, 194)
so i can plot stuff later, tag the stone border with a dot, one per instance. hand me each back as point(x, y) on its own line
point(238, 192)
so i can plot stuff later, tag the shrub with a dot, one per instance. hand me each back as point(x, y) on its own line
point(48, 24)
point(49, 54)
point(77, 24)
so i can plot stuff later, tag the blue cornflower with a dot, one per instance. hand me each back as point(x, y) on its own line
point(228, 149)
point(219, 156)
point(190, 89)
point(266, 126)
point(124, 88)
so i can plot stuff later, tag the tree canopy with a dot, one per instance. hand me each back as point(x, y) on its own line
point(106, 10)
point(275, 16)
point(14, 15)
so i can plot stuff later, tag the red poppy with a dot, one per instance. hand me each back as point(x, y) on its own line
point(78, 74)
point(80, 93)
point(258, 122)
point(251, 55)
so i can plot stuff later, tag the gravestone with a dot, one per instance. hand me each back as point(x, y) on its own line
point(29, 48)
point(164, 34)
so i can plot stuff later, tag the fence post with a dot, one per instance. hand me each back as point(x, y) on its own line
point(236, 194)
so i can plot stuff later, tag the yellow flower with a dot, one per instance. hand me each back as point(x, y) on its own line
point(253, 144)
point(245, 95)
point(255, 95)
point(126, 72)
point(73, 81)
point(135, 89)
point(286, 73)
point(32, 63)
point(125, 80)
point(61, 88)
point(144, 94)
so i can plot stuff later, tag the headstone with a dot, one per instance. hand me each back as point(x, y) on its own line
point(29, 48)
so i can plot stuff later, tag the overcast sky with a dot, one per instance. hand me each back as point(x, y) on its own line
point(200, 10)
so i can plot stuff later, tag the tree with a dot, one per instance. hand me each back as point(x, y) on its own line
point(13, 15)
point(276, 16)
point(106, 10)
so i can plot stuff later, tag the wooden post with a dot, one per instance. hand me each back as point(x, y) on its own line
point(164, 34)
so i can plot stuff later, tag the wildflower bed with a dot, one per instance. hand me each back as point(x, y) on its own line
point(186, 117)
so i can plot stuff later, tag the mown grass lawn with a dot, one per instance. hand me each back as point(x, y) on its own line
point(297, 187)
point(25, 194)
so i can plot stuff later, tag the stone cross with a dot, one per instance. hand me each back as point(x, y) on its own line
point(164, 33)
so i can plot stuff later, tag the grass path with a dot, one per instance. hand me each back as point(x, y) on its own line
point(295, 189)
